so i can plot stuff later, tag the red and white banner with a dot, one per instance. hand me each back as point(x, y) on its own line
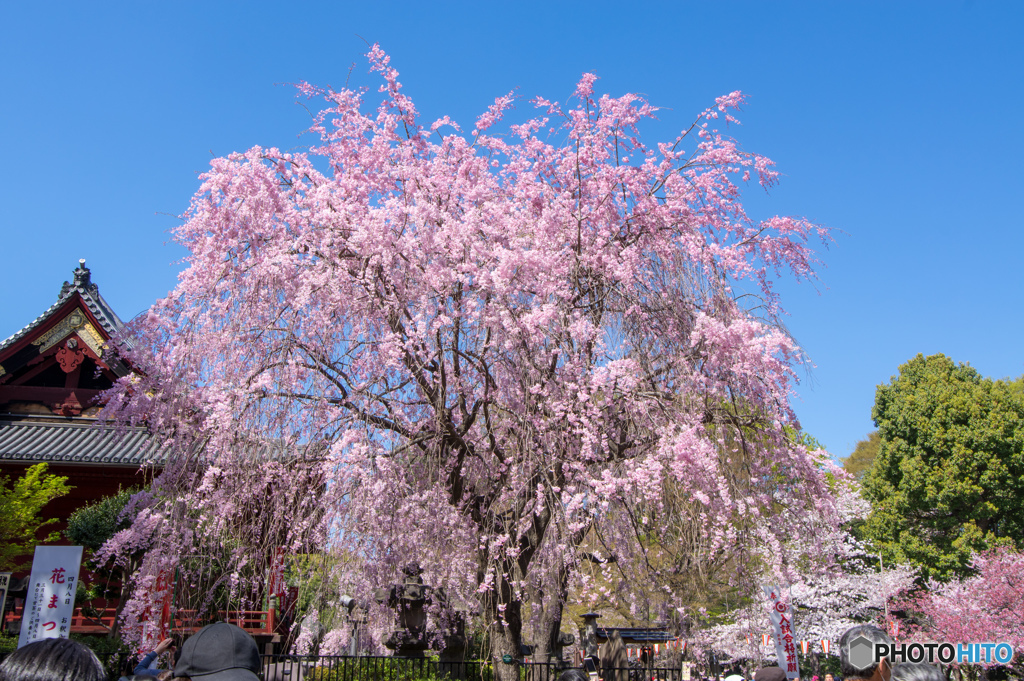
point(766, 639)
point(165, 583)
point(826, 646)
point(156, 617)
point(277, 585)
point(782, 622)
point(805, 647)
point(51, 593)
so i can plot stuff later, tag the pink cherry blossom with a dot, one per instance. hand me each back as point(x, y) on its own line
point(472, 351)
point(986, 607)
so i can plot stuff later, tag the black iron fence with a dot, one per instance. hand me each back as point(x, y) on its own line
point(344, 668)
point(368, 668)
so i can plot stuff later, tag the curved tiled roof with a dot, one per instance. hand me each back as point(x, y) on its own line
point(59, 441)
point(82, 284)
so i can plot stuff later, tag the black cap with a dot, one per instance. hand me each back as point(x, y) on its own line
point(219, 652)
point(764, 674)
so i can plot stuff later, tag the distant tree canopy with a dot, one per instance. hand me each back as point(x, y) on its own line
point(863, 455)
point(949, 475)
point(21, 502)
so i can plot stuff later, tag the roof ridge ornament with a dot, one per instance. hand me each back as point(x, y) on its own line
point(81, 281)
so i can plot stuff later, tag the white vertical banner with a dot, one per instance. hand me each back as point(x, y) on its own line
point(782, 625)
point(51, 593)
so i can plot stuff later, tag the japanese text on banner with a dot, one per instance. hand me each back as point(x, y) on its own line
point(782, 625)
point(50, 602)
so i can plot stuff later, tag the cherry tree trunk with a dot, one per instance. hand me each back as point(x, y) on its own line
point(550, 626)
point(549, 629)
point(503, 610)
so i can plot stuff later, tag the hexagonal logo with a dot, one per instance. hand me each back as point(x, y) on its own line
point(861, 652)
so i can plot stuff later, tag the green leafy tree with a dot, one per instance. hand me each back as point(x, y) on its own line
point(863, 455)
point(1016, 387)
point(21, 503)
point(949, 476)
point(92, 525)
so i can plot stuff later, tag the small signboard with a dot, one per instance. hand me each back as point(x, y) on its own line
point(51, 593)
point(5, 586)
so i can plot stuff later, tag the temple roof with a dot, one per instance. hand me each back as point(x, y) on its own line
point(59, 440)
point(81, 284)
point(52, 376)
point(60, 363)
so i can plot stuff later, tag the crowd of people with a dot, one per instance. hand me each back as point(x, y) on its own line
point(224, 652)
point(217, 652)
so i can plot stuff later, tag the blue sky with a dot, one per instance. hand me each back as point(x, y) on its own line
point(898, 124)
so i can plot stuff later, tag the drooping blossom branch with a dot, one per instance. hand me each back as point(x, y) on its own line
point(480, 348)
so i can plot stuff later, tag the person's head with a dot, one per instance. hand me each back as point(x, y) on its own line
point(770, 674)
point(857, 656)
point(53, 659)
point(917, 671)
point(219, 652)
point(829, 677)
point(573, 675)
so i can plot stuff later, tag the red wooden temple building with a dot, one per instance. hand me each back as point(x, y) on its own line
point(52, 372)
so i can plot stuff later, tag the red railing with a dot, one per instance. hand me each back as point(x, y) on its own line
point(100, 623)
point(253, 621)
